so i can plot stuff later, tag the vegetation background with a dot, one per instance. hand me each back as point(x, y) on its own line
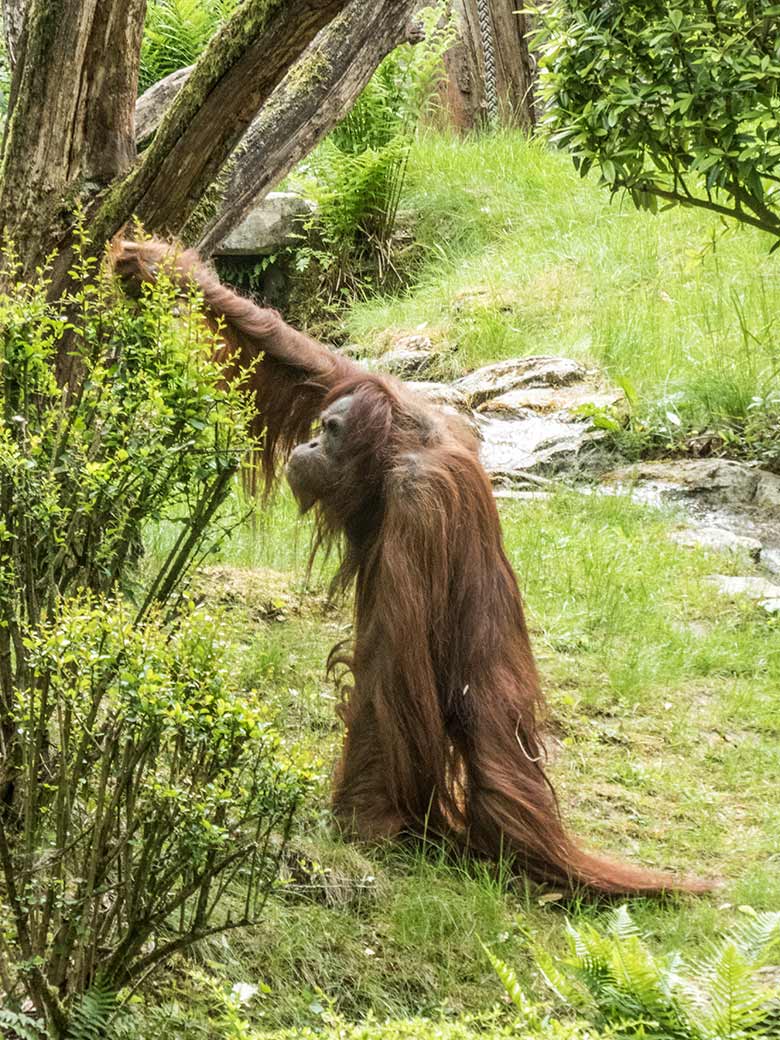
point(664, 709)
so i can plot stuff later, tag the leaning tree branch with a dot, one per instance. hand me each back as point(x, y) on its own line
point(771, 223)
point(316, 94)
point(231, 81)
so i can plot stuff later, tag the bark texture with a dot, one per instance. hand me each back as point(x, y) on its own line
point(490, 71)
point(314, 96)
point(232, 80)
point(13, 21)
point(72, 114)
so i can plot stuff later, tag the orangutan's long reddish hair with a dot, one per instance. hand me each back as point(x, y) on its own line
point(442, 725)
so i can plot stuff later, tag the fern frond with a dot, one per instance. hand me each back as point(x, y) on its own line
point(512, 987)
point(20, 1025)
point(759, 935)
point(92, 1017)
point(621, 924)
point(732, 1003)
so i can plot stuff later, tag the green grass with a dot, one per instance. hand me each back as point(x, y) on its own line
point(521, 256)
point(666, 747)
point(664, 720)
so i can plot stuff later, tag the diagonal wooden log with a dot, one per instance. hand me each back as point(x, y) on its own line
point(231, 81)
point(315, 95)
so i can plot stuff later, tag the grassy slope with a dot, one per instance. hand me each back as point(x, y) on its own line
point(663, 696)
point(524, 257)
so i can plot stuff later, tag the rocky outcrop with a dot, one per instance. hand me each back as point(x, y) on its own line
point(274, 222)
point(715, 481)
point(541, 371)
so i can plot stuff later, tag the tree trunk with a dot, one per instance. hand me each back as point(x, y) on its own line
point(71, 134)
point(490, 70)
point(71, 118)
point(315, 95)
point(13, 22)
point(232, 80)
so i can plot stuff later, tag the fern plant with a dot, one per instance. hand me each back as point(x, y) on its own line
point(175, 33)
point(613, 978)
point(91, 1020)
point(19, 1026)
point(357, 174)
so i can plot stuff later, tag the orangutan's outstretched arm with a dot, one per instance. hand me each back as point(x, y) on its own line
point(288, 373)
point(139, 262)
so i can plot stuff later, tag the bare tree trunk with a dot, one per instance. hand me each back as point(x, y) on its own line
point(490, 71)
point(13, 22)
point(314, 96)
point(72, 114)
point(232, 80)
point(71, 135)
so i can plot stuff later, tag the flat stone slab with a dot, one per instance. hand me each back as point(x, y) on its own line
point(750, 585)
point(511, 447)
point(443, 394)
point(722, 481)
point(406, 364)
point(539, 371)
point(563, 400)
point(717, 539)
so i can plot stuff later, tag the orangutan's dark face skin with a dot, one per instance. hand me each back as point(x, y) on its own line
point(314, 467)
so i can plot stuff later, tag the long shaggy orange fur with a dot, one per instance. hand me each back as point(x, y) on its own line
point(443, 719)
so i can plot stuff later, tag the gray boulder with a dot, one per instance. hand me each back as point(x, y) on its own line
point(717, 539)
point(276, 221)
point(751, 586)
point(406, 364)
point(443, 394)
point(719, 481)
point(512, 447)
point(543, 400)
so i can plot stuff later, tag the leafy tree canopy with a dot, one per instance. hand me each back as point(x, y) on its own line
point(678, 101)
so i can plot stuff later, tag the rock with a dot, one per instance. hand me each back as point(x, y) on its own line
point(415, 341)
point(768, 491)
point(770, 558)
point(771, 606)
point(152, 105)
point(564, 400)
point(751, 586)
point(406, 364)
point(443, 394)
point(492, 380)
point(274, 222)
point(718, 539)
point(511, 447)
point(449, 400)
point(516, 495)
point(710, 480)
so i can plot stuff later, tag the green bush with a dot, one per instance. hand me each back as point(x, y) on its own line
point(139, 794)
point(677, 102)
